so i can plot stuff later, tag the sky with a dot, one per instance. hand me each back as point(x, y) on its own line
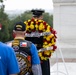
point(28, 4)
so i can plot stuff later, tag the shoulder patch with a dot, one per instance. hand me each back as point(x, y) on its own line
point(23, 44)
point(16, 48)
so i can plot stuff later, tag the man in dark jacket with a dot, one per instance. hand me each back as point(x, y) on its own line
point(25, 47)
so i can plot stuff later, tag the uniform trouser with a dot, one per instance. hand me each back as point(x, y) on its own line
point(45, 65)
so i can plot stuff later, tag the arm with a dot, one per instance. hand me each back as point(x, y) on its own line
point(36, 66)
point(36, 69)
point(12, 64)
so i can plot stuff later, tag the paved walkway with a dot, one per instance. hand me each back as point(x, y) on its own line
point(63, 60)
point(61, 69)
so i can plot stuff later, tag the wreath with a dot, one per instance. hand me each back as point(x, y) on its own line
point(37, 28)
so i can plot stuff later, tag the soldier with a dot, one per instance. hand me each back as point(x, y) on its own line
point(45, 64)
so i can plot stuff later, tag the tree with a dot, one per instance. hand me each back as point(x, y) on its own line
point(4, 22)
point(1, 0)
point(25, 16)
point(48, 18)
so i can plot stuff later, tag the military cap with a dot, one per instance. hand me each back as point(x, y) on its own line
point(37, 12)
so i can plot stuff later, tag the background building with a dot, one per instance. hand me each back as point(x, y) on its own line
point(65, 20)
point(65, 24)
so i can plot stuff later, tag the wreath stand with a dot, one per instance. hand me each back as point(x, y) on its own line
point(57, 71)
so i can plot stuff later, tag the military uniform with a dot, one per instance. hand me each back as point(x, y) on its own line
point(38, 41)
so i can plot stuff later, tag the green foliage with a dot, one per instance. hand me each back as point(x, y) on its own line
point(1, 0)
point(48, 18)
point(25, 16)
point(10, 28)
point(28, 15)
point(7, 25)
point(4, 33)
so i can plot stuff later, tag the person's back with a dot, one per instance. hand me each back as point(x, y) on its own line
point(8, 62)
point(23, 47)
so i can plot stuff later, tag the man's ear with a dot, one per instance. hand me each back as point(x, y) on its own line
point(24, 32)
point(13, 34)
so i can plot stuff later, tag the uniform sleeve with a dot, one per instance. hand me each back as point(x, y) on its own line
point(13, 67)
point(35, 58)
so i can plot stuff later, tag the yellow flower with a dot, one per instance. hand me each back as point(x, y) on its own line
point(51, 35)
point(32, 26)
point(27, 27)
point(45, 46)
point(29, 20)
point(35, 19)
point(49, 44)
point(45, 58)
point(36, 27)
point(53, 43)
point(46, 52)
point(25, 22)
point(39, 20)
point(42, 58)
point(48, 29)
point(45, 42)
point(41, 26)
point(52, 40)
point(40, 54)
point(48, 38)
point(32, 22)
